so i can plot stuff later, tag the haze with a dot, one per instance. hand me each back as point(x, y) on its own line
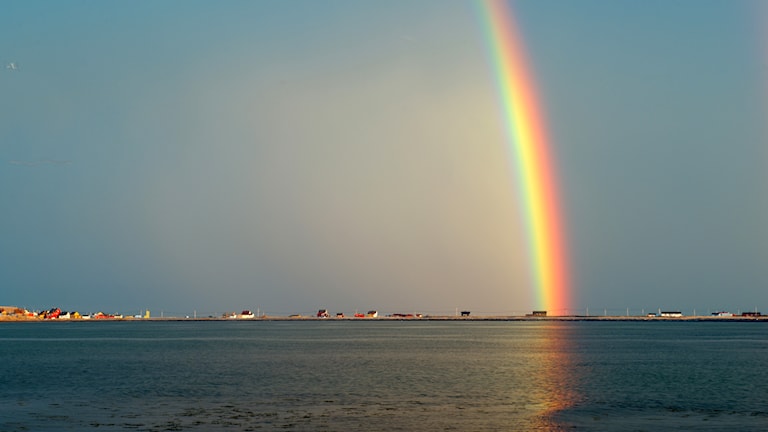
point(216, 156)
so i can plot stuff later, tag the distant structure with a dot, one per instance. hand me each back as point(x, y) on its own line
point(539, 313)
point(372, 314)
point(465, 313)
point(671, 314)
point(722, 314)
point(323, 313)
point(751, 314)
point(405, 315)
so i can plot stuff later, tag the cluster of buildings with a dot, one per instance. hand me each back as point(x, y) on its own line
point(14, 312)
point(323, 313)
point(246, 314)
point(721, 314)
point(754, 314)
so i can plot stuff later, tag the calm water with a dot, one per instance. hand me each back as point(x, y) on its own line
point(383, 376)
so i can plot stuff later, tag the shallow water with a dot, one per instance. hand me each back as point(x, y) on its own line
point(383, 375)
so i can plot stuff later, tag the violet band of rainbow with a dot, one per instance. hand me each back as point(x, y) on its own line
point(530, 152)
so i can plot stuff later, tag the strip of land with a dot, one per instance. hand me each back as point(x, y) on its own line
point(16, 318)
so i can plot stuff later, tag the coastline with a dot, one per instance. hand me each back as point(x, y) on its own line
point(700, 318)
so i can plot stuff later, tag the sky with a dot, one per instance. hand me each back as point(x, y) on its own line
point(204, 157)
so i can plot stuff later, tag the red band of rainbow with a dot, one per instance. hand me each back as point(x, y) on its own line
point(529, 147)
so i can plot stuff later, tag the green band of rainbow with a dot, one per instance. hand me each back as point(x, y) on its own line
point(528, 146)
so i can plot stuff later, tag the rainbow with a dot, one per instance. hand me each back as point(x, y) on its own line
point(529, 148)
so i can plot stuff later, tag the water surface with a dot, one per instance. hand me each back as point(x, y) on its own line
point(383, 375)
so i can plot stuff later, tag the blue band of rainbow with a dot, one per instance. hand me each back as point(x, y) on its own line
point(528, 146)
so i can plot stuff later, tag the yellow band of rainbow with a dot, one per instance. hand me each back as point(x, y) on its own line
point(529, 147)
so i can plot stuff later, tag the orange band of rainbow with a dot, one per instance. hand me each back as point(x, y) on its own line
point(529, 147)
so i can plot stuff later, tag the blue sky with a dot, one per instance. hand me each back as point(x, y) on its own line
point(350, 155)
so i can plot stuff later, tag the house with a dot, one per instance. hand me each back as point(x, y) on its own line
point(10, 310)
point(52, 314)
point(722, 314)
point(671, 314)
point(465, 313)
point(372, 314)
point(323, 313)
point(16, 312)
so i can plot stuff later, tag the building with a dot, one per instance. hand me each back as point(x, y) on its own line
point(11, 310)
point(722, 314)
point(671, 314)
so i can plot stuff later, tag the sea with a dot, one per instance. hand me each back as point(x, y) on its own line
point(383, 375)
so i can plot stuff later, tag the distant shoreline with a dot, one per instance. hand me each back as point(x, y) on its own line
point(15, 319)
